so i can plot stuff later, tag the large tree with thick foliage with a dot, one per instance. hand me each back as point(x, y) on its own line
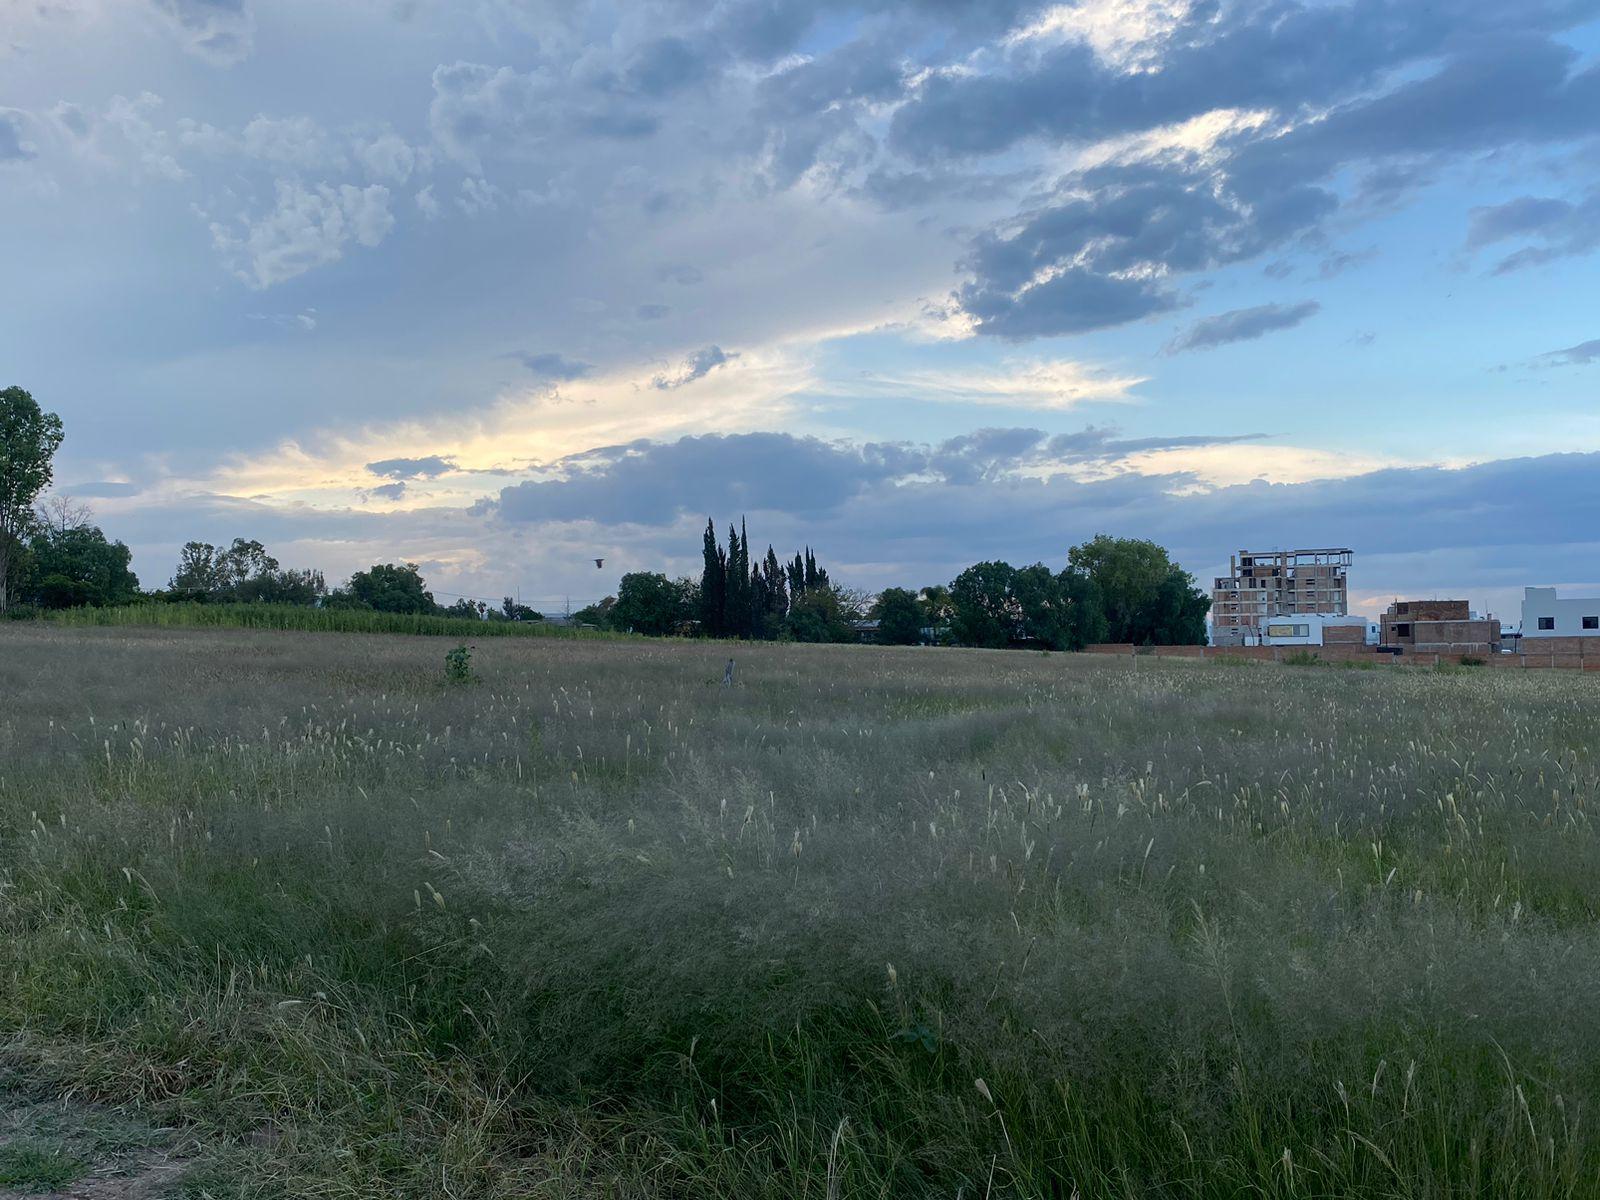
point(985, 610)
point(819, 616)
point(1148, 599)
point(241, 573)
point(651, 603)
point(29, 439)
point(900, 617)
point(387, 587)
point(77, 566)
point(995, 604)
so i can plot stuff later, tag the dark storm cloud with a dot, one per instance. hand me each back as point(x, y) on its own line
point(1090, 257)
point(1093, 261)
point(650, 483)
point(935, 509)
point(556, 368)
point(1276, 54)
point(412, 468)
point(1242, 325)
point(654, 483)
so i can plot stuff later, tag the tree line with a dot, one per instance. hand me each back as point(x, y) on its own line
point(1110, 589)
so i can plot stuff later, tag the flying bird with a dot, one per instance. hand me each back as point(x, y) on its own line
point(598, 563)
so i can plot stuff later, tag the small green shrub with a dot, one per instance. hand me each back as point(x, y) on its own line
point(458, 665)
point(1302, 658)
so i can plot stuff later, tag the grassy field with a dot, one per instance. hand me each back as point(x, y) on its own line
point(867, 923)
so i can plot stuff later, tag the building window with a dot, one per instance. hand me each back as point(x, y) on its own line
point(1591, 622)
point(1402, 630)
point(1547, 622)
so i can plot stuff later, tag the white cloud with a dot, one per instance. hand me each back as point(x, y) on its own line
point(307, 228)
point(388, 158)
point(478, 196)
point(131, 118)
point(1043, 384)
point(1127, 34)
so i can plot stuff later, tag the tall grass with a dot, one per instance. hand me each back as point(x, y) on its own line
point(868, 923)
point(312, 620)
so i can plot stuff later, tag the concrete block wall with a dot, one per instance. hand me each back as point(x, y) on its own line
point(1356, 654)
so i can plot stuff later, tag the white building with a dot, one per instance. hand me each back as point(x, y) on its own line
point(1545, 616)
point(1317, 629)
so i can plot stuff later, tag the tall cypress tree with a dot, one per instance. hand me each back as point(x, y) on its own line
point(747, 607)
point(777, 600)
point(738, 587)
point(713, 585)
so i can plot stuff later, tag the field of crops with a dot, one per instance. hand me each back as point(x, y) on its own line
point(868, 922)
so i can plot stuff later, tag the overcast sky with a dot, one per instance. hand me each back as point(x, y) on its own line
point(503, 286)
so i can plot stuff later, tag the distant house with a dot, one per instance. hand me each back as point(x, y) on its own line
point(1546, 616)
point(865, 631)
point(1315, 629)
point(1438, 627)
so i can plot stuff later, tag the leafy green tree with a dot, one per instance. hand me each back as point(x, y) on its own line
point(284, 585)
point(650, 603)
point(29, 439)
point(818, 616)
point(241, 573)
point(984, 609)
point(387, 587)
point(597, 614)
point(900, 617)
point(77, 566)
point(510, 610)
point(471, 610)
point(196, 577)
point(1177, 615)
point(1147, 598)
point(939, 609)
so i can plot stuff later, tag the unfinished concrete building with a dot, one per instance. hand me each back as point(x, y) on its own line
point(1438, 627)
point(1267, 584)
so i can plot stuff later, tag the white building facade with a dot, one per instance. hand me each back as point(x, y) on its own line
point(1546, 615)
point(1312, 629)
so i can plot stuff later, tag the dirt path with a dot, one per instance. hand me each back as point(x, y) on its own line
point(58, 1148)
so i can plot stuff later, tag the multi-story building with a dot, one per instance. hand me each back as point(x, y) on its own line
point(1438, 627)
point(1277, 583)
